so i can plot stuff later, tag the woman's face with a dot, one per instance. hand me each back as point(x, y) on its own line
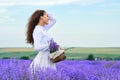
point(45, 18)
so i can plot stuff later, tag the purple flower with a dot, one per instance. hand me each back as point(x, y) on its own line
point(53, 46)
point(14, 69)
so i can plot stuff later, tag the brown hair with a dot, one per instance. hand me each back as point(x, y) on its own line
point(33, 21)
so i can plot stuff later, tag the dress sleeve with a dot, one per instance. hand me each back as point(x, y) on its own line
point(51, 23)
point(39, 44)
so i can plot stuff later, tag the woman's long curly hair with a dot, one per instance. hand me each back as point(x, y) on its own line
point(33, 21)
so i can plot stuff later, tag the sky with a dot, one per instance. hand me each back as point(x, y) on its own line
point(79, 23)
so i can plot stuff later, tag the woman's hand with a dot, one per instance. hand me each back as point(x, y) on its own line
point(50, 16)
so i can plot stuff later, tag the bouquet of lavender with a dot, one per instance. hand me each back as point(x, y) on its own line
point(53, 46)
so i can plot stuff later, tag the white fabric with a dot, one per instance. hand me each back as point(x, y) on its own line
point(41, 45)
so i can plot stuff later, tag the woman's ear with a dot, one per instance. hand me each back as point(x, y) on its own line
point(40, 17)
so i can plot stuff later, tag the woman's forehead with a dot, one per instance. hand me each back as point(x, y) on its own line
point(46, 13)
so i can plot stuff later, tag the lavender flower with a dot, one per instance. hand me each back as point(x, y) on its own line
point(53, 46)
point(13, 69)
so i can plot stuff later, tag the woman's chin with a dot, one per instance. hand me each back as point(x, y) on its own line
point(46, 23)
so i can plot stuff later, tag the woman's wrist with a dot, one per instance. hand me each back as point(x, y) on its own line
point(51, 17)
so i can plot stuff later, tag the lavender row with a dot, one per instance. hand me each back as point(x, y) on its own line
point(13, 69)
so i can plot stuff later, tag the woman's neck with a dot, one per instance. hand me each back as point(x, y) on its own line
point(41, 23)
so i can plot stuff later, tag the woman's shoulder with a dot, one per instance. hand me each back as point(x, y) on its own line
point(38, 28)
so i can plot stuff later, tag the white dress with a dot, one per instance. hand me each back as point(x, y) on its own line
point(41, 45)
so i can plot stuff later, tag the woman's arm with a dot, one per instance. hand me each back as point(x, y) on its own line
point(38, 43)
point(51, 23)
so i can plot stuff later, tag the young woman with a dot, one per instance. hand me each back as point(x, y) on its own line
point(39, 23)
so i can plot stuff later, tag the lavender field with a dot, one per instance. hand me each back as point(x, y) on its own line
point(13, 69)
